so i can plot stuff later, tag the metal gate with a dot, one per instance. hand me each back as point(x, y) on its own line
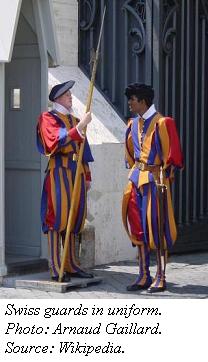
point(165, 44)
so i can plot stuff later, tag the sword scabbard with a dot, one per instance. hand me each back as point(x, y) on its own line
point(161, 192)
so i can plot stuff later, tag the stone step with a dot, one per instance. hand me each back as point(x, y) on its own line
point(43, 282)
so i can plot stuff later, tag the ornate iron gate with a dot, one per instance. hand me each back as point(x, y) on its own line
point(163, 43)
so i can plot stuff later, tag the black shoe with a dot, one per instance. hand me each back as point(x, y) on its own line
point(135, 287)
point(65, 279)
point(81, 274)
point(156, 289)
point(67, 275)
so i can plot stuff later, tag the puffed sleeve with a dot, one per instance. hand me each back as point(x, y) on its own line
point(51, 135)
point(168, 144)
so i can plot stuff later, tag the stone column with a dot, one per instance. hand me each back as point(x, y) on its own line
point(3, 269)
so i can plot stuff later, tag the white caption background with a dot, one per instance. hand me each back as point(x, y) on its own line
point(152, 329)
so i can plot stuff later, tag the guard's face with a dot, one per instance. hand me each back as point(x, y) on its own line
point(65, 100)
point(135, 106)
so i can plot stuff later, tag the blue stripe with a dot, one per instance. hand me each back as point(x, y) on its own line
point(66, 184)
point(135, 137)
point(135, 176)
point(39, 143)
point(87, 155)
point(146, 126)
point(81, 208)
point(144, 212)
point(72, 165)
point(151, 177)
point(43, 209)
point(153, 152)
point(62, 136)
point(158, 143)
point(58, 160)
point(58, 199)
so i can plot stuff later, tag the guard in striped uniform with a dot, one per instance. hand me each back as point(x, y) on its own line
point(59, 135)
point(152, 151)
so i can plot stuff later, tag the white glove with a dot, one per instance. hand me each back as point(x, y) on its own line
point(86, 119)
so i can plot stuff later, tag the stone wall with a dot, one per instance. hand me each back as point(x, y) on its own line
point(66, 21)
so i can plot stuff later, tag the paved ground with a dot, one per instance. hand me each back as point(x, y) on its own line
point(187, 277)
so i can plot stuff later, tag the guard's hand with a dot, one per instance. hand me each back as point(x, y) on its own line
point(86, 119)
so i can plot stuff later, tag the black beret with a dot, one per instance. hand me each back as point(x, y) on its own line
point(142, 91)
point(60, 89)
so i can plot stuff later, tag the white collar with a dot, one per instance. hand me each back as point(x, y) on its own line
point(151, 110)
point(61, 109)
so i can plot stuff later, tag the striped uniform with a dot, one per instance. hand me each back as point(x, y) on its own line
point(153, 142)
point(160, 146)
point(58, 139)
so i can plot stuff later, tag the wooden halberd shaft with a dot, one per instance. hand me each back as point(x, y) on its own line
point(79, 162)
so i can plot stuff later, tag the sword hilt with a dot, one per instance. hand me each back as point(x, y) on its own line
point(160, 185)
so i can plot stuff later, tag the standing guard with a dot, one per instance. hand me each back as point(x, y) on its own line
point(153, 153)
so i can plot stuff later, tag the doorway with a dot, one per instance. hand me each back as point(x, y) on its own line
point(22, 161)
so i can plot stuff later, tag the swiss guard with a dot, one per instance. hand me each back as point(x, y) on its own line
point(153, 153)
point(59, 135)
